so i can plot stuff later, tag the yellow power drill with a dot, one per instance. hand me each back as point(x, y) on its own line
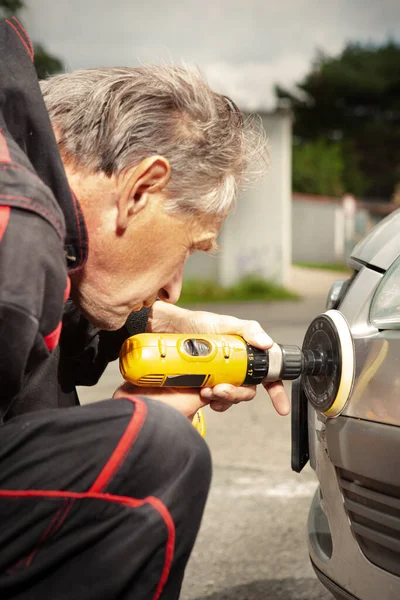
point(182, 360)
point(187, 360)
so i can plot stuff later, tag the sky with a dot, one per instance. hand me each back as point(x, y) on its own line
point(244, 47)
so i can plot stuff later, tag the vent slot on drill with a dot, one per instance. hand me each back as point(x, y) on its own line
point(153, 380)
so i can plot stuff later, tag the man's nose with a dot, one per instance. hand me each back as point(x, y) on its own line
point(172, 291)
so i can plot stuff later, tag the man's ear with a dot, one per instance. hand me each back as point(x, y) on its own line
point(139, 183)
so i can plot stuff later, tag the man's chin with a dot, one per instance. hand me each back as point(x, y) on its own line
point(101, 312)
point(108, 318)
point(107, 322)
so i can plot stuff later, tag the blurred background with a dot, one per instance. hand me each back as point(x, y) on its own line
point(324, 77)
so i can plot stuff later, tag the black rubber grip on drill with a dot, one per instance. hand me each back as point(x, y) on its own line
point(292, 362)
point(257, 365)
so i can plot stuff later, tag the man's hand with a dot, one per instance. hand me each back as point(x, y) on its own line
point(167, 318)
point(186, 400)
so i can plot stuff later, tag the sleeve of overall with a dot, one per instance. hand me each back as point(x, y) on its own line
point(32, 286)
point(86, 351)
point(18, 330)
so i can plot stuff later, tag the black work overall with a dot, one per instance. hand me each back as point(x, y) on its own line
point(99, 502)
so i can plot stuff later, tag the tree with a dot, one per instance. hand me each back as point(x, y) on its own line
point(318, 168)
point(10, 7)
point(45, 63)
point(354, 99)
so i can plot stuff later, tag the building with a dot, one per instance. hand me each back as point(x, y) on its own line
point(326, 229)
point(256, 238)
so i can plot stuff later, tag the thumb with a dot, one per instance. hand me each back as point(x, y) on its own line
point(254, 334)
point(251, 331)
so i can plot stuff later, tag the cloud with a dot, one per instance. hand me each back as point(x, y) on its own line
point(251, 84)
point(243, 47)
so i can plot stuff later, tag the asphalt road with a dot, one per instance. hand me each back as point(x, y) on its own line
point(252, 543)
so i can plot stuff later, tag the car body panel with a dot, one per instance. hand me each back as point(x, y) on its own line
point(348, 566)
point(337, 592)
point(376, 388)
point(356, 455)
point(380, 247)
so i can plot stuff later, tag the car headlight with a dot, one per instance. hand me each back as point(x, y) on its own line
point(336, 293)
point(385, 306)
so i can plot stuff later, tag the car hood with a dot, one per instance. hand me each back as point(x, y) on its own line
point(382, 245)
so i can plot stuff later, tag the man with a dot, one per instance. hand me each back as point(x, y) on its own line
point(105, 501)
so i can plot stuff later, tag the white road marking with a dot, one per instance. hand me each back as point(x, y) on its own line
point(257, 487)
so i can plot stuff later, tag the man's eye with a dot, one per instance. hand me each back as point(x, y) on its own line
point(197, 249)
point(211, 249)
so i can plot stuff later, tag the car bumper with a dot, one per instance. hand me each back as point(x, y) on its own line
point(354, 519)
point(336, 591)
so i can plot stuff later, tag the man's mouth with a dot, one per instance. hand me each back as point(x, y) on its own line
point(136, 308)
point(144, 304)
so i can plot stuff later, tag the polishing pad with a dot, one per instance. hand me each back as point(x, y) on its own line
point(329, 336)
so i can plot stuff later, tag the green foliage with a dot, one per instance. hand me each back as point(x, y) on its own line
point(10, 7)
point(45, 64)
point(342, 268)
point(249, 288)
point(327, 168)
point(318, 168)
point(354, 98)
point(355, 181)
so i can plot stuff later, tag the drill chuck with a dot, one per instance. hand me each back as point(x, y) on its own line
point(284, 362)
point(292, 362)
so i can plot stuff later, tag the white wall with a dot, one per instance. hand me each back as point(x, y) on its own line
point(256, 238)
point(318, 230)
point(322, 232)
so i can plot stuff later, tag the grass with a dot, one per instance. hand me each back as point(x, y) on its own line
point(327, 267)
point(249, 288)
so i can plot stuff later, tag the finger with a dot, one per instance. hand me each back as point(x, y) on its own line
point(251, 331)
point(220, 406)
point(229, 393)
point(125, 390)
point(255, 335)
point(278, 396)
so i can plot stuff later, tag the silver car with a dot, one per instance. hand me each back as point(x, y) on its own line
point(353, 443)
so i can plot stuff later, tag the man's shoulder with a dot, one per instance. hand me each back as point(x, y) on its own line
point(20, 187)
point(32, 176)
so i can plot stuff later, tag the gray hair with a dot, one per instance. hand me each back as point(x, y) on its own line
point(110, 119)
